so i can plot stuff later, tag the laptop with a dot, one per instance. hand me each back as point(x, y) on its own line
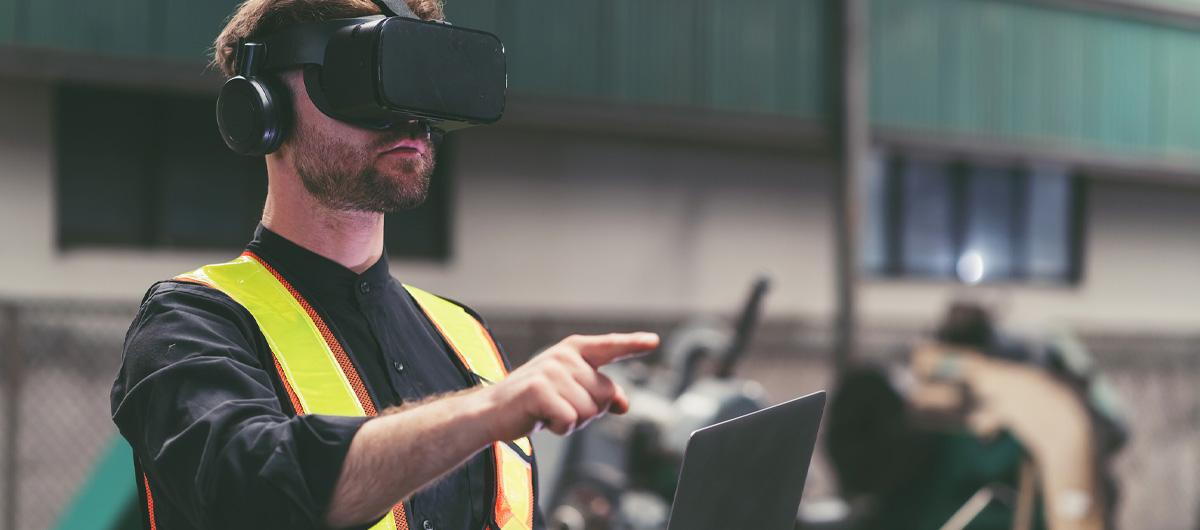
point(748, 473)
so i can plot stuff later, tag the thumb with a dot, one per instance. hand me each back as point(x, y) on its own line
point(620, 401)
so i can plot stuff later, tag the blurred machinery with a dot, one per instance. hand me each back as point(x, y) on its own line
point(620, 472)
point(979, 430)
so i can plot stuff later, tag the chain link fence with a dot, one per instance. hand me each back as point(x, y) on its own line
point(58, 360)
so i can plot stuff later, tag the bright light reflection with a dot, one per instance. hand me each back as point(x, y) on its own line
point(970, 267)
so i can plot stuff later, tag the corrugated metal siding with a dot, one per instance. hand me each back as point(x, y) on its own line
point(1034, 72)
point(995, 67)
point(771, 57)
point(766, 56)
point(8, 20)
point(554, 48)
point(655, 51)
point(110, 27)
point(172, 29)
point(1191, 5)
point(191, 25)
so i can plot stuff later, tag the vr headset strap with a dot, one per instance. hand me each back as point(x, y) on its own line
point(305, 44)
point(396, 8)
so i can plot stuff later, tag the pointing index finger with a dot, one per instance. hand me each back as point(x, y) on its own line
point(599, 350)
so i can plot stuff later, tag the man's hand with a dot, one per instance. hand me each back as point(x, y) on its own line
point(562, 388)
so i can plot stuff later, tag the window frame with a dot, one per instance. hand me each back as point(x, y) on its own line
point(893, 166)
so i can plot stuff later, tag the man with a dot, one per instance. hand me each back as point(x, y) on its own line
point(222, 386)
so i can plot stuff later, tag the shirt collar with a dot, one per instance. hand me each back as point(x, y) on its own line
point(316, 274)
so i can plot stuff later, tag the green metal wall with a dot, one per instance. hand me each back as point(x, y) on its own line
point(755, 55)
point(766, 56)
point(1034, 72)
point(174, 29)
point(1001, 68)
point(1190, 5)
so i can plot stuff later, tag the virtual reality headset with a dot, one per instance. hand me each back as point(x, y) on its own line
point(377, 72)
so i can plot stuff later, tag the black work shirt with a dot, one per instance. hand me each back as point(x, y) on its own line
point(200, 402)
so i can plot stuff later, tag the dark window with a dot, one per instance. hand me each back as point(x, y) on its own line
point(145, 169)
point(926, 246)
point(976, 222)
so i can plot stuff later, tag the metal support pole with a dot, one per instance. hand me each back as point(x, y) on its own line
point(853, 140)
point(13, 362)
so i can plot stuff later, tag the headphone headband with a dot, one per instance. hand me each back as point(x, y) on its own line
point(396, 8)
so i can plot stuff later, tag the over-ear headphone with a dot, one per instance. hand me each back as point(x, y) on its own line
point(253, 112)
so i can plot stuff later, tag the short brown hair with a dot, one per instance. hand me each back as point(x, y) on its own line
point(255, 18)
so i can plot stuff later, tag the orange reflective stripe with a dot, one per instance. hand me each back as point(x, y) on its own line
point(287, 386)
point(465, 335)
point(343, 360)
point(514, 487)
point(400, 517)
point(191, 278)
point(149, 503)
point(480, 355)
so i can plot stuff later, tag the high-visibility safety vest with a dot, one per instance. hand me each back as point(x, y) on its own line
point(320, 378)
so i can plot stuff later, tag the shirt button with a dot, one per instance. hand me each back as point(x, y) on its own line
point(427, 525)
point(399, 366)
point(364, 287)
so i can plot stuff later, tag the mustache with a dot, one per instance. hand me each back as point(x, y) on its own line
point(414, 130)
point(388, 140)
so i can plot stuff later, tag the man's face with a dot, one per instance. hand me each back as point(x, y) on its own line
point(349, 168)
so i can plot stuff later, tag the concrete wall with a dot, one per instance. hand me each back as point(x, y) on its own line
point(581, 225)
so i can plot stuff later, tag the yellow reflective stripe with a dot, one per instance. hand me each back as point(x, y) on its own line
point(387, 523)
point(309, 366)
point(474, 346)
point(465, 335)
point(307, 362)
point(524, 444)
point(516, 478)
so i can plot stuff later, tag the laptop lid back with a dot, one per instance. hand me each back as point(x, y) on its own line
point(748, 473)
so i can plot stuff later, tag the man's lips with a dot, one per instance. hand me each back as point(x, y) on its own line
point(405, 145)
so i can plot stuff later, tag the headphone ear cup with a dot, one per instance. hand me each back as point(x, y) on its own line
point(250, 117)
point(279, 117)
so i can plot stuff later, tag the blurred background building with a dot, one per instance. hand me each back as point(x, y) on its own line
point(1042, 156)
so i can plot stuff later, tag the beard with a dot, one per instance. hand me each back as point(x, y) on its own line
point(344, 177)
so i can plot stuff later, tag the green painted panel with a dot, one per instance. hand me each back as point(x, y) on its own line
point(1188, 5)
point(121, 27)
point(759, 55)
point(1181, 119)
point(1034, 72)
point(554, 47)
point(191, 26)
point(104, 499)
point(655, 52)
point(8, 20)
point(767, 56)
point(481, 14)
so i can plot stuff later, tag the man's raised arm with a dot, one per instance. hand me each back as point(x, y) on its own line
point(394, 455)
